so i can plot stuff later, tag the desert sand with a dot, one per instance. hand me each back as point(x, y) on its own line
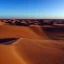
point(8, 31)
point(32, 47)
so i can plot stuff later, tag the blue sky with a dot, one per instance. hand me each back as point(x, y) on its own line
point(32, 8)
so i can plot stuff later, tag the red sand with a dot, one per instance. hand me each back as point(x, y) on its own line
point(34, 48)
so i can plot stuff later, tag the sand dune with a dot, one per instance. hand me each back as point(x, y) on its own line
point(56, 33)
point(8, 31)
point(41, 51)
point(39, 31)
point(48, 32)
point(32, 51)
point(34, 46)
point(9, 56)
point(32, 32)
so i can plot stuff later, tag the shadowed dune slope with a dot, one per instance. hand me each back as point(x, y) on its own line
point(55, 33)
point(8, 41)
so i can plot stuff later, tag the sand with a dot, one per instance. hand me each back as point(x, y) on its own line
point(41, 51)
point(32, 47)
point(32, 51)
point(8, 31)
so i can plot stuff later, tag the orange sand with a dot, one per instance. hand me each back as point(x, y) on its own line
point(33, 46)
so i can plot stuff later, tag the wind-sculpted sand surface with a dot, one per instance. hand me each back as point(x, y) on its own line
point(32, 51)
point(31, 45)
point(9, 31)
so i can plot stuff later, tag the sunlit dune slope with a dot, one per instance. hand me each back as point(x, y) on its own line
point(9, 56)
point(32, 51)
point(9, 31)
point(40, 51)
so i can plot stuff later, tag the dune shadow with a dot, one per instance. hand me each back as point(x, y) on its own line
point(50, 33)
point(54, 33)
point(8, 41)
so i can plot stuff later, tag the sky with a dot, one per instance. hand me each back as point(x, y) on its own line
point(32, 9)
